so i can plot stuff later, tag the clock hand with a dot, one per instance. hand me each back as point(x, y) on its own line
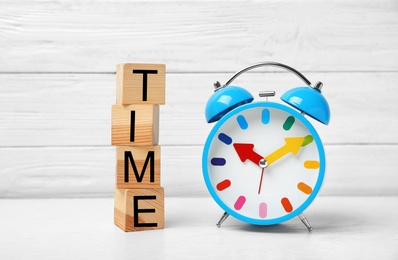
point(292, 145)
point(261, 181)
point(245, 152)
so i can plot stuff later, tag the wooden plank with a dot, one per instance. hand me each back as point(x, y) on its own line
point(45, 107)
point(93, 36)
point(57, 172)
point(352, 170)
point(74, 109)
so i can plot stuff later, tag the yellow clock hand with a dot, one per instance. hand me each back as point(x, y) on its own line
point(292, 145)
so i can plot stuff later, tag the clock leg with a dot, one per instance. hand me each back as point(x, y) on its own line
point(305, 222)
point(222, 219)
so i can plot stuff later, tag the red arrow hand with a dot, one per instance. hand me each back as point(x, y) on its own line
point(245, 152)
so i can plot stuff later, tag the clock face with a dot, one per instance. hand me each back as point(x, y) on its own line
point(263, 163)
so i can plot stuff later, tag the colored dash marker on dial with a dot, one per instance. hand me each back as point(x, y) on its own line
point(240, 202)
point(223, 185)
point(288, 123)
point(287, 206)
point(225, 138)
point(311, 164)
point(262, 210)
point(265, 116)
point(242, 122)
point(304, 188)
point(217, 161)
point(307, 140)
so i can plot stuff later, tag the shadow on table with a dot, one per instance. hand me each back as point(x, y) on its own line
point(340, 222)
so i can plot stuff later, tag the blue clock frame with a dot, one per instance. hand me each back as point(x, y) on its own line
point(298, 116)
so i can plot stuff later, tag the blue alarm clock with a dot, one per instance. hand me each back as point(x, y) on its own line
point(263, 162)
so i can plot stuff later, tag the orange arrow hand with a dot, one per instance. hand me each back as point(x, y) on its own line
point(292, 145)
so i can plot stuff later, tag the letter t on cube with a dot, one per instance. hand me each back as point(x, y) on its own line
point(140, 83)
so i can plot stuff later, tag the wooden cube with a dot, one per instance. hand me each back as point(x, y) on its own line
point(135, 125)
point(139, 209)
point(140, 83)
point(137, 167)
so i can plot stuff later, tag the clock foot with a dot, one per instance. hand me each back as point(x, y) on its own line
point(222, 219)
point(305, 222)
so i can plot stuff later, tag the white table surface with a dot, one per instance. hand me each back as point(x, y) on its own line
point(344, 228)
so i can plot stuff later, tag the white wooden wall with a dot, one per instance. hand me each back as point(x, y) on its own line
point(57, 85)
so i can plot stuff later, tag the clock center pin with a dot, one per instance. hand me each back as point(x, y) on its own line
point(263, 163)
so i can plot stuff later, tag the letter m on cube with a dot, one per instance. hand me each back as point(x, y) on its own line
point(137, 167)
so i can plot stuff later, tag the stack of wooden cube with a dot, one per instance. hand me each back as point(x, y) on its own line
point(139, 198)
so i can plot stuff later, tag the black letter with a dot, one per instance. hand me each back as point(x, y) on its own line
point(129, 157)
point(136, 211)
point(132, 125)
point(145, 81)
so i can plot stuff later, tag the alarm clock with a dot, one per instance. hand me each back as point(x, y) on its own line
point(263, 162)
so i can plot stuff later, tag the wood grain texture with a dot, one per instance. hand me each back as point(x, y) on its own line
point(143, 169)
point(130, 206)
point(143, 130)
point(56, 172)
point(140, 84)
point(62, 110)
point(58, 83)
point(93, 36)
